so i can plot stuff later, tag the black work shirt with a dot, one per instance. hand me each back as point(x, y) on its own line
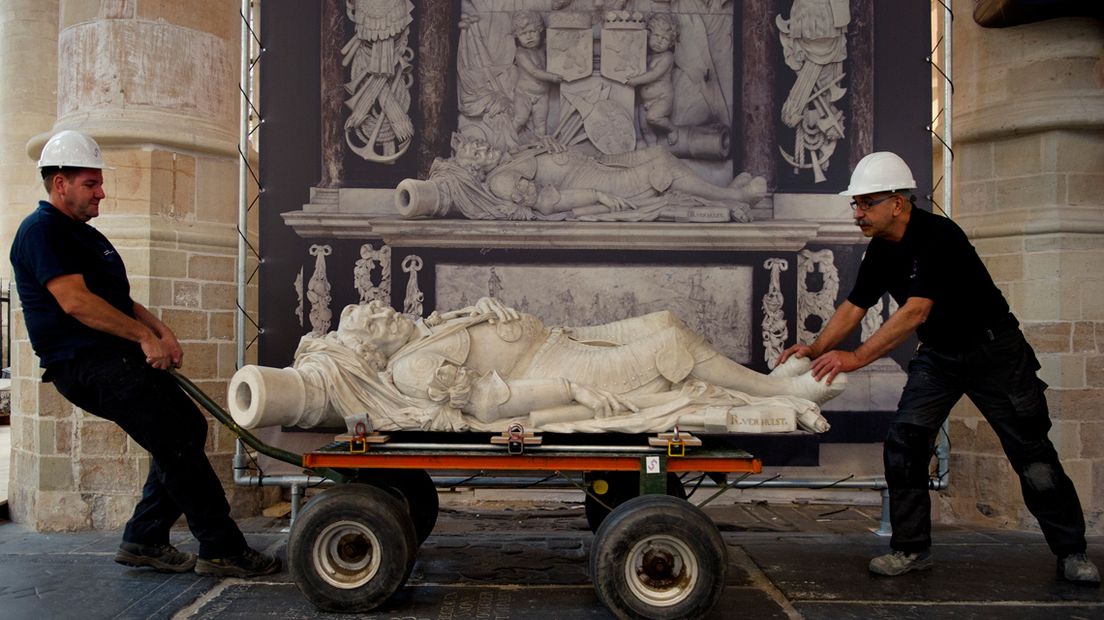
point(934, 260)
point(51, 244)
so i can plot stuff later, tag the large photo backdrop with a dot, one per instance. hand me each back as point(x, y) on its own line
point(580, 159)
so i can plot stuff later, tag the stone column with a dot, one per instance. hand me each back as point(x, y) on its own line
point(1029, 191)
point(155, 82)
point(758, 105)
point(435, 58)
point(28, 105)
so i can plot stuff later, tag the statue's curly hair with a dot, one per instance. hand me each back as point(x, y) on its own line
point(664, 23)
point(524, 19)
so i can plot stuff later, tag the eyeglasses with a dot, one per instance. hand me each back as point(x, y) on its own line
point(866, 206)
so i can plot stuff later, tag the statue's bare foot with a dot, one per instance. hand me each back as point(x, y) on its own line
point(755, 189)
point(792, 367)
point(805, 386)
point(740, 180)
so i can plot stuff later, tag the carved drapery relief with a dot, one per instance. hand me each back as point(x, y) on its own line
point(362, 273)
point(298, 285)
point(817, 288)
point(775, 331)
point(611, 76)
point(380, 65)
point(412, 304)
point(814, 45)
point(587, 112)
point(318, 291)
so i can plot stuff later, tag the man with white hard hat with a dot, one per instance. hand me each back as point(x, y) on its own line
point(970, 344)
point(109, 355)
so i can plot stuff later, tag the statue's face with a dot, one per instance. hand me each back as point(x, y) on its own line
point(659, 41)
point(478, 155)
point(529, 37)
point(377, 326)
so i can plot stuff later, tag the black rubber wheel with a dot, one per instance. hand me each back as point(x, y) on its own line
point(620, 486)
point(416, 490)
point(658, 557)
point(351, 548)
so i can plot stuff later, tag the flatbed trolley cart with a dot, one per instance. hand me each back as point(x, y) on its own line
point(655, 555)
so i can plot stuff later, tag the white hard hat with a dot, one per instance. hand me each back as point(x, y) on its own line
point(879, 172)
point(71, 149)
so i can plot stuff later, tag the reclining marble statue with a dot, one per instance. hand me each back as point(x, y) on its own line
point(546, 181)
point(488, 366)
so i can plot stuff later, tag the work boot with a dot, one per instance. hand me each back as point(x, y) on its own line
point(249, 564)
point(161, 558)
point(899, 563)
point(1078, 568)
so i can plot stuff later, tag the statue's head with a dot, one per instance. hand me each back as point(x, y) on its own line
point(474, 152)
point(527, 27)
point(376, 329)
point(662, 32)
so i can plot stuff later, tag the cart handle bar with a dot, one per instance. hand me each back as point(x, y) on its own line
point(248, 438)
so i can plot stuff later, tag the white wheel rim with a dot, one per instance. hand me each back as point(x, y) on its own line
point(346, 555)
point(661, 570)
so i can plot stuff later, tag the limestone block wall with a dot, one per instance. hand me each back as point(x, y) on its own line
point(1029, 190)
point(155, 82)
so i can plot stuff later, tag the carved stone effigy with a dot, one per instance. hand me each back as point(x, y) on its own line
point(820, 303)
point(482, 182)
point(584, 113)
point(318, 291)
point(775, 331)
point(362, 273)
point(814, 44)
point(380, 65)
point(488, 366)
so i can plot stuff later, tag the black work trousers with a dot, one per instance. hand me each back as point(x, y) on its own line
point(148, 404)
point(998, 375)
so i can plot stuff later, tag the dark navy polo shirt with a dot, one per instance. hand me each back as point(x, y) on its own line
point(935, 260)
point(51, 244)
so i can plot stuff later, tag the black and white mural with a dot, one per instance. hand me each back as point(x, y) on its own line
point(582, 160)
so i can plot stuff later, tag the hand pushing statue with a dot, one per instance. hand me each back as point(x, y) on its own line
point(486, 366)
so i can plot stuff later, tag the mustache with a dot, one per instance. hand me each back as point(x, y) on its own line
point(860, 222)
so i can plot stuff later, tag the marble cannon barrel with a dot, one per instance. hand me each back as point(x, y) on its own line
point(415, 199)
point(260, 396)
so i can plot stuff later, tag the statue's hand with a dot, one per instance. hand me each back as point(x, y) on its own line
point(604, 404)
point(502, 313)
point(614, 203)
point(551, 145)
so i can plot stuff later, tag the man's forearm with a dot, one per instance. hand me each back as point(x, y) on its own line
point(96, 313)
point(93, 311)
point(843, 322)
point(900, 325)
point(150, 320)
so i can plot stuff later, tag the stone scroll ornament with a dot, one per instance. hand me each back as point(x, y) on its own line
point(814, 45)
point(486, 366)
point(775, 331)
point(362, 273)
point(318, 291)
point(412, 305)
point(815, 299)
point(298, 285)
point(874, 317)
point(380, 65)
